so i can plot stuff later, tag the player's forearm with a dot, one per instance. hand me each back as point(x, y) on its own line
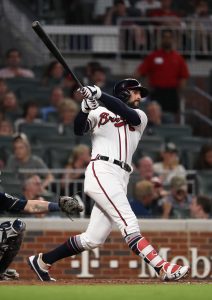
point(118, 107)
point(40, 206)
point(80, 123)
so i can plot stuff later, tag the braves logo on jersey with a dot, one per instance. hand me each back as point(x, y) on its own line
point(105, 117)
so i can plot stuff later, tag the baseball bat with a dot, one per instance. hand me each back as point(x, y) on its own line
point(53, 49)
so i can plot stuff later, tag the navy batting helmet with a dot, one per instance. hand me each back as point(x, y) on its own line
point(122, 89)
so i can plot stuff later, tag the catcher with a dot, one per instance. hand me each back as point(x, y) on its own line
point(12, 233)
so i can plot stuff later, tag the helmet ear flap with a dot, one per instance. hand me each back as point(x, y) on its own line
point(124, 95)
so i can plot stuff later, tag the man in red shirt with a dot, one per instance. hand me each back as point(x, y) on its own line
point(167, 73)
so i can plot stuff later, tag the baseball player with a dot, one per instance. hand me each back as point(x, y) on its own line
point(11, 233)
point(115, 130)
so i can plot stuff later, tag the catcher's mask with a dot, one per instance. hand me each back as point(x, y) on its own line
point(122, 89)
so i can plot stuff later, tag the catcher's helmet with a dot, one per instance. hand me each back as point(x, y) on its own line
point(122, 88)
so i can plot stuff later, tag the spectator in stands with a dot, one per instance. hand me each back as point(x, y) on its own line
point(77, 163)
point(9, 102)
point(6, 128)
point(86, 72)
point(73, 179)
point(54, 74)
point(145, 6)
point(184, 8)
point(203, 22)
point(67, 112)
point(98, 77)
point(101, 8)
point(169, 166)
point(177, 203)
point(145, 168)
point(166, 11)
point(156, 116)
point(3, 89)
point(119, 12)
point(204, 160)
point(146, 204)
point(30, 115)
point(201, 207)
point(9, 106)
point(23, 159)
point(158, 187)
point(76, 11)
point(32, 188)
point(167, 74)
point(13, 66)
point(56, 98)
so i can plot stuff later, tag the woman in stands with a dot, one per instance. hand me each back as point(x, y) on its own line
point(204, 161)
point(22, 158)
point(30, 115)
point(54, 74)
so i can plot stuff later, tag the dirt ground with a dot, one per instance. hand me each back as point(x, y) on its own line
point(103, 281)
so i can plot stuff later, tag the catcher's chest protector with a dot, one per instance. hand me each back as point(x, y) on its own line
point(11, 237)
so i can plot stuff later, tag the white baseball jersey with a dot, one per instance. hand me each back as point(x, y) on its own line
point(105, 182)
point(112, 136)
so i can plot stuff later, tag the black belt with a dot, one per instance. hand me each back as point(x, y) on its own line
point(119, 163)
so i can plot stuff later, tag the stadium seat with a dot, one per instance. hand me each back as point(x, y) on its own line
point(59, 157)
point(189, 147)
point(18, 83)
point(50, 142)
point(38, 94)
point(40, 151)
point(190, 142)
point(39, 131)
point(170, 131)
point(13, 188)
point(6, 141)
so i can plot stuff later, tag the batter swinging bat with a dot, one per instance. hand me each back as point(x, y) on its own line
point(53, 49)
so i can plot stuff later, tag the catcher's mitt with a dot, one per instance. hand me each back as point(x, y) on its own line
point(70, 205)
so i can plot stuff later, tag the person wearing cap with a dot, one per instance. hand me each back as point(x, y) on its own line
point(22, 158)
point(177, 203)
point(169, 166)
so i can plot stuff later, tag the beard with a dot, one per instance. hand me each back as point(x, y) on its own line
point(134, 104)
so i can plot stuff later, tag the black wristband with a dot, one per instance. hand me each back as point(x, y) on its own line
point(53, 207)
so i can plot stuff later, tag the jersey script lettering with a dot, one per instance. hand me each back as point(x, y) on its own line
point(118, 121)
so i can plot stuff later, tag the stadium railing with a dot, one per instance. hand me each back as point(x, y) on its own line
point(192, 39)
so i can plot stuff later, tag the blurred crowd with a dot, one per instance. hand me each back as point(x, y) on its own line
point(37, 111)
point(107, 12)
